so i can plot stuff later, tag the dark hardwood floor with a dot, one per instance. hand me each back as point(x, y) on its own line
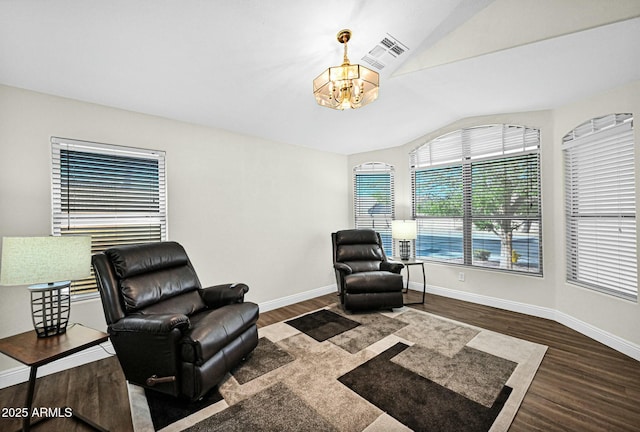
point(581, 385)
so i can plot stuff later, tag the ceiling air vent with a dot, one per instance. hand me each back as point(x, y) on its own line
point(373, 62)
point(385, 52)
point(397, 49)
point(387, 42)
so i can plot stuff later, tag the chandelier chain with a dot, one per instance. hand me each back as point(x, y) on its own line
point(345, 59)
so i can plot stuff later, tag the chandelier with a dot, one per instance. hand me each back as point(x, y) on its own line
point(346, 86)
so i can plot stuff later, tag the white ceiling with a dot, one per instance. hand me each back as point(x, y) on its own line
point(247, 65)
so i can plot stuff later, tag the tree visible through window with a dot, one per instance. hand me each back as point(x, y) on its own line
point(476, 197)
point(505, 202)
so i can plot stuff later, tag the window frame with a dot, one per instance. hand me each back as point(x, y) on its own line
point(111, 214)
point(376, 169)
point(464, 150)
point(599, 170)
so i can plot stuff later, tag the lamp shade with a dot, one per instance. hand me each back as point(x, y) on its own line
point(404, 229)
point(346, 87)
point(32, 260)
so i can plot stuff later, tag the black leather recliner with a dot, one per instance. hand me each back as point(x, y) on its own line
point(169, 333)
point(366, 278)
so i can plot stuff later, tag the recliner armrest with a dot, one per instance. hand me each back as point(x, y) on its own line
point(392, 266)
point(160, 323)
point(220, 295)
point(343, 268)
point(149, 345)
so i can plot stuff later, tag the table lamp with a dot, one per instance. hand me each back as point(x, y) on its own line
point(49, 264)
point(404, 231)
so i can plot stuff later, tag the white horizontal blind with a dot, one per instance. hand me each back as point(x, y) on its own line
point(373, 199)
point(480, 142)
point(117, 195)
point(600, 205)
point(439, 210)
point(476, 196)
point(505, 202)
point(438, 192)
point(440, 151)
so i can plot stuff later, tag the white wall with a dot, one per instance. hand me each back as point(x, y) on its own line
point(246, 209)
point(605, 318)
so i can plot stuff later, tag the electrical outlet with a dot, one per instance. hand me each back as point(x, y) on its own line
point(461, 276)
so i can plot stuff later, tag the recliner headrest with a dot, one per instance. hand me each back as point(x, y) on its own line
point(356, 236)
point(138, 259)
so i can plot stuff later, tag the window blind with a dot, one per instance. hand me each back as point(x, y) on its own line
point(373, 184)
point(476, 196)
point(438, 207)
point(600, 208)
point(505, 203)
point(117, 195)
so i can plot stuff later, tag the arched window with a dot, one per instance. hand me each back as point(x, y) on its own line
point(373, 199)
point(476, 198)
point(600, 205)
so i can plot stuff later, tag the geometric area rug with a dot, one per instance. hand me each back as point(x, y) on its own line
point(329, 370)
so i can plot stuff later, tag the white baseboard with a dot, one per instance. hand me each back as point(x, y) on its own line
point(513, 306)
point(296, 298)
point(604, 337)
point(20, 374)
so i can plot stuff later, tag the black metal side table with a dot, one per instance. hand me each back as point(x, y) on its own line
point(414, 262)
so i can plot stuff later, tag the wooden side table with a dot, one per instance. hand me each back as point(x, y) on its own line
point(34, 352)
point(407, 264)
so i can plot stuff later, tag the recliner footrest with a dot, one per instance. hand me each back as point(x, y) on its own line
point(373, 282)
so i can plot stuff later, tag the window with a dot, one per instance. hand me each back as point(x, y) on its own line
point(600, 206)
point(373, 192)
point(117, 195)
point(476, 198)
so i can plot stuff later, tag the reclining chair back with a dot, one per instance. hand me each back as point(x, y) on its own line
point(149, 279)
point(359, 249)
